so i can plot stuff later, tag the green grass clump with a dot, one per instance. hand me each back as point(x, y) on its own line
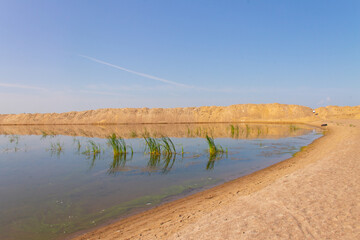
point(152, 145)
point(119, 146)
point(78, 144)
point(216, 153)
point(93, 148)
point(56, 147)
point(213, 148)
point(45, 134)
point(133, 134)
point(168, 147)
point(293, 128)
point(248, 129)
point(234, 131)
point(160, 148)
point(14, 139)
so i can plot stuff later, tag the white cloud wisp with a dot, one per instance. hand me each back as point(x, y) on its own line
point(10, 85)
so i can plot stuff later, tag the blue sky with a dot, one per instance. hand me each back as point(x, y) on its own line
point(58, 56)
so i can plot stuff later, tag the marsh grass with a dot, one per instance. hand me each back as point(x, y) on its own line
point(45, 134)
point(92, 148)
point(234, 131)
point(152, 145)
point(119, 146)
point(78, 144)
point(162, 151)
point(216, 152)
point(56, 148)
point(293, 128)
point(14, 139)
point(168, 147)
point(248, 130)
point(213, 148)
point(258, 132)
point(159, 146)
point(134, 134)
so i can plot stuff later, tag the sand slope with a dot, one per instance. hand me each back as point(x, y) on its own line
point(241, 112)
point(235, 113)
point(314, 195)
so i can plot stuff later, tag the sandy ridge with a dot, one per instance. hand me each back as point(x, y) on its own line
point(234, 113)
point(274, 112)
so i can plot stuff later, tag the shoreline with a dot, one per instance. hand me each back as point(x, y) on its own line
point(196, 205)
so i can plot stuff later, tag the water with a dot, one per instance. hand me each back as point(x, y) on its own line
point(49, 193)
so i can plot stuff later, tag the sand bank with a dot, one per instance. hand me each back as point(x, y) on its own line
point(234, 113)
point(276, 113)
point(312, 195)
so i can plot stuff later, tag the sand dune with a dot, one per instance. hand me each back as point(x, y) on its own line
point(235, 113)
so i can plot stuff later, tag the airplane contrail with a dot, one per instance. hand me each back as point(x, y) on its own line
point(137, 73)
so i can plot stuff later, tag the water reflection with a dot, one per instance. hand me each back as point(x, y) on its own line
point(118, 163)
point(56, 148)
point(220, 130)
point(214, 158)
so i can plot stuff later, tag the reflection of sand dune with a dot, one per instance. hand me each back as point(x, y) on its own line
point(241, 131)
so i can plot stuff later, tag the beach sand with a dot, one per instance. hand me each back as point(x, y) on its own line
point(314, 195)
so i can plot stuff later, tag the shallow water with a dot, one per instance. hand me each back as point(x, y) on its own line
point(48, 193)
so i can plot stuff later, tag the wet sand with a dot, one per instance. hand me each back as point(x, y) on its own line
point(314, 195)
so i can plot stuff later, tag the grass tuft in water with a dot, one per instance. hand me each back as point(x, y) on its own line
point(160, 148)
point(78, 144)
point(118, 145)
point(293, 128)
point(156, 146)
point(168, 147)
point(152, 145)
point(134, 134)
point(45, 134)
point(234, 131)
point(93, 148)
point(14, 139)
point(56, 147)
point(213, 148)
point(216, 152)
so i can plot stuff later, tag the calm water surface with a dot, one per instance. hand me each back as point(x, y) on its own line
point(47, 193)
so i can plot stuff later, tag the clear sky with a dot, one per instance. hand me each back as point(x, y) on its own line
point(58, 56)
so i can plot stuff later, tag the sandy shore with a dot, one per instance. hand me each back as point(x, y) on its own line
point(314, 195)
